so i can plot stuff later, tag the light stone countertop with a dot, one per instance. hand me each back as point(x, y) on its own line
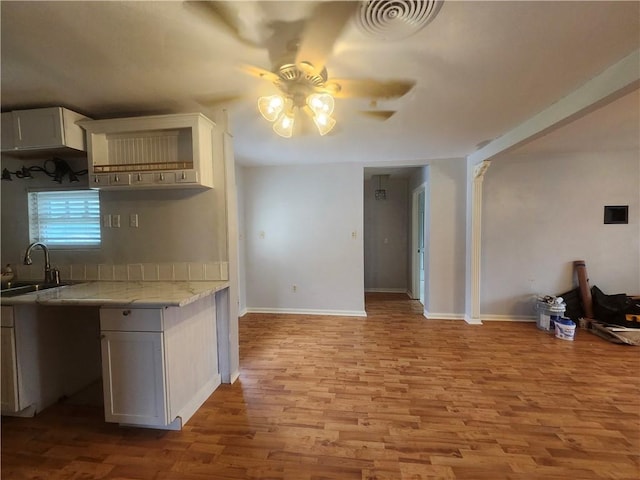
point(122, 294)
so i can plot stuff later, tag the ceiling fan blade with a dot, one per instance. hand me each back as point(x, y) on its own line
point(321, 31)
point(379, 114)
point(260, 73)
point(213, 101)
point(368, 88)
point(242, 20)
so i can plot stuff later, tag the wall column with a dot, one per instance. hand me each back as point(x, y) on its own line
point(474, 257)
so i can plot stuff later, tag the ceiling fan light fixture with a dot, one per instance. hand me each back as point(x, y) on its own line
point(284, 125)
point(321, 103)
point(324, 122)
point(271, 107)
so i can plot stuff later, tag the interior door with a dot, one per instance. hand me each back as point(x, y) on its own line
point(420, 266)
point(418, 243)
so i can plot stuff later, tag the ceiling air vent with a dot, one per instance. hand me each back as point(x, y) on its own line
point(396, 19)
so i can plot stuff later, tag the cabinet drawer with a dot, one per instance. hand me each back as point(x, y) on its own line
point(131, 319)
point(6, 316)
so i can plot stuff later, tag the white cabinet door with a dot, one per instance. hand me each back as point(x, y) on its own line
point(7, 142)
point(9, 379)
point(133, 376)
point(38, 128)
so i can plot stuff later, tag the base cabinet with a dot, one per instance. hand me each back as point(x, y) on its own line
point(9, 378)
point(134, 378)
point(18, 395)
point(159, 365)
point(47, 354)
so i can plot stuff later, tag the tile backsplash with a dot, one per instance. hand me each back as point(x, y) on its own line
point(180, 271)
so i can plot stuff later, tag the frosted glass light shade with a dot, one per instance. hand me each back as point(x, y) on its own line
point(271, 107)
point(324, 123)
point(321, 103)
point(284, 125)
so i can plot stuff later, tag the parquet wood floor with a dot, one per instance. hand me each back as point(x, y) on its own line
point(390, 396)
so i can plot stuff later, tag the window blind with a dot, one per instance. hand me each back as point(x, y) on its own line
point(65, 218)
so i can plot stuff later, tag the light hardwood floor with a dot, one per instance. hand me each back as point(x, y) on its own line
point(390, 396)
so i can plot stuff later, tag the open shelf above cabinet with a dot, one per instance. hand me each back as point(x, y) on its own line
point(157, 151)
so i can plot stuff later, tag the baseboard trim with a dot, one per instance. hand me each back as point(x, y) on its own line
point(304, 311)
point(242, 312)
point(234, 376)
point(478, 321)
point(386, 290)
point(443, 316)
point(471, 320)
point(508, 318)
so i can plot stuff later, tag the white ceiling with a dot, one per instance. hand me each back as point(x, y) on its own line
point(480, 69)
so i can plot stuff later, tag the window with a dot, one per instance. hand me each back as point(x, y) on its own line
point(69, 218)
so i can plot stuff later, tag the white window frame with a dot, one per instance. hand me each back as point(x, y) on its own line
point(77, 209)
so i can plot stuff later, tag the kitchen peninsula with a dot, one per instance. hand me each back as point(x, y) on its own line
point(158, 349)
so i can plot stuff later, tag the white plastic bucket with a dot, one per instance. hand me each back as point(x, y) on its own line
point(565, 329)
point(547, 314)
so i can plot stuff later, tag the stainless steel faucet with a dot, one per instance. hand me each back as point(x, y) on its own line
point(50, 275)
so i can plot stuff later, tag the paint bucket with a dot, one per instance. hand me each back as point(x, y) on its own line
point(548, 314)
point(565, 329)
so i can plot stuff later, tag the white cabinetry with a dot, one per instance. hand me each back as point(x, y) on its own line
point(158, 364)
point(20, 395)
point(7, 143)
point(42, 129)
point(46, 354)
point(157, 151)
point(8, 362)
point(134, 378)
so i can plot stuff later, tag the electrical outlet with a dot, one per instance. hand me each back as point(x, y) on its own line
point(115, 221)
point(133, 220)
point(294, 288)
point(106, 221)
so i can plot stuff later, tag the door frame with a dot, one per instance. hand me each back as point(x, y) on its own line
point(415, 272)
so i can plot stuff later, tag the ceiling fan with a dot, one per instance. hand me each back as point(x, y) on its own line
point(300, 43)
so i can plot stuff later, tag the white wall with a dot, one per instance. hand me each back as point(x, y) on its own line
point(175, 225)
point(446, 198)
point(540, 213)
point(386, 233)
point(299, 223)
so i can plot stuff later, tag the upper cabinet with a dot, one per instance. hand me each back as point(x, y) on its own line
point(157, 151)
point(29, 132)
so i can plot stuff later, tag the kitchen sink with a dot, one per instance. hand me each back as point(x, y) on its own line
point(13, 289)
